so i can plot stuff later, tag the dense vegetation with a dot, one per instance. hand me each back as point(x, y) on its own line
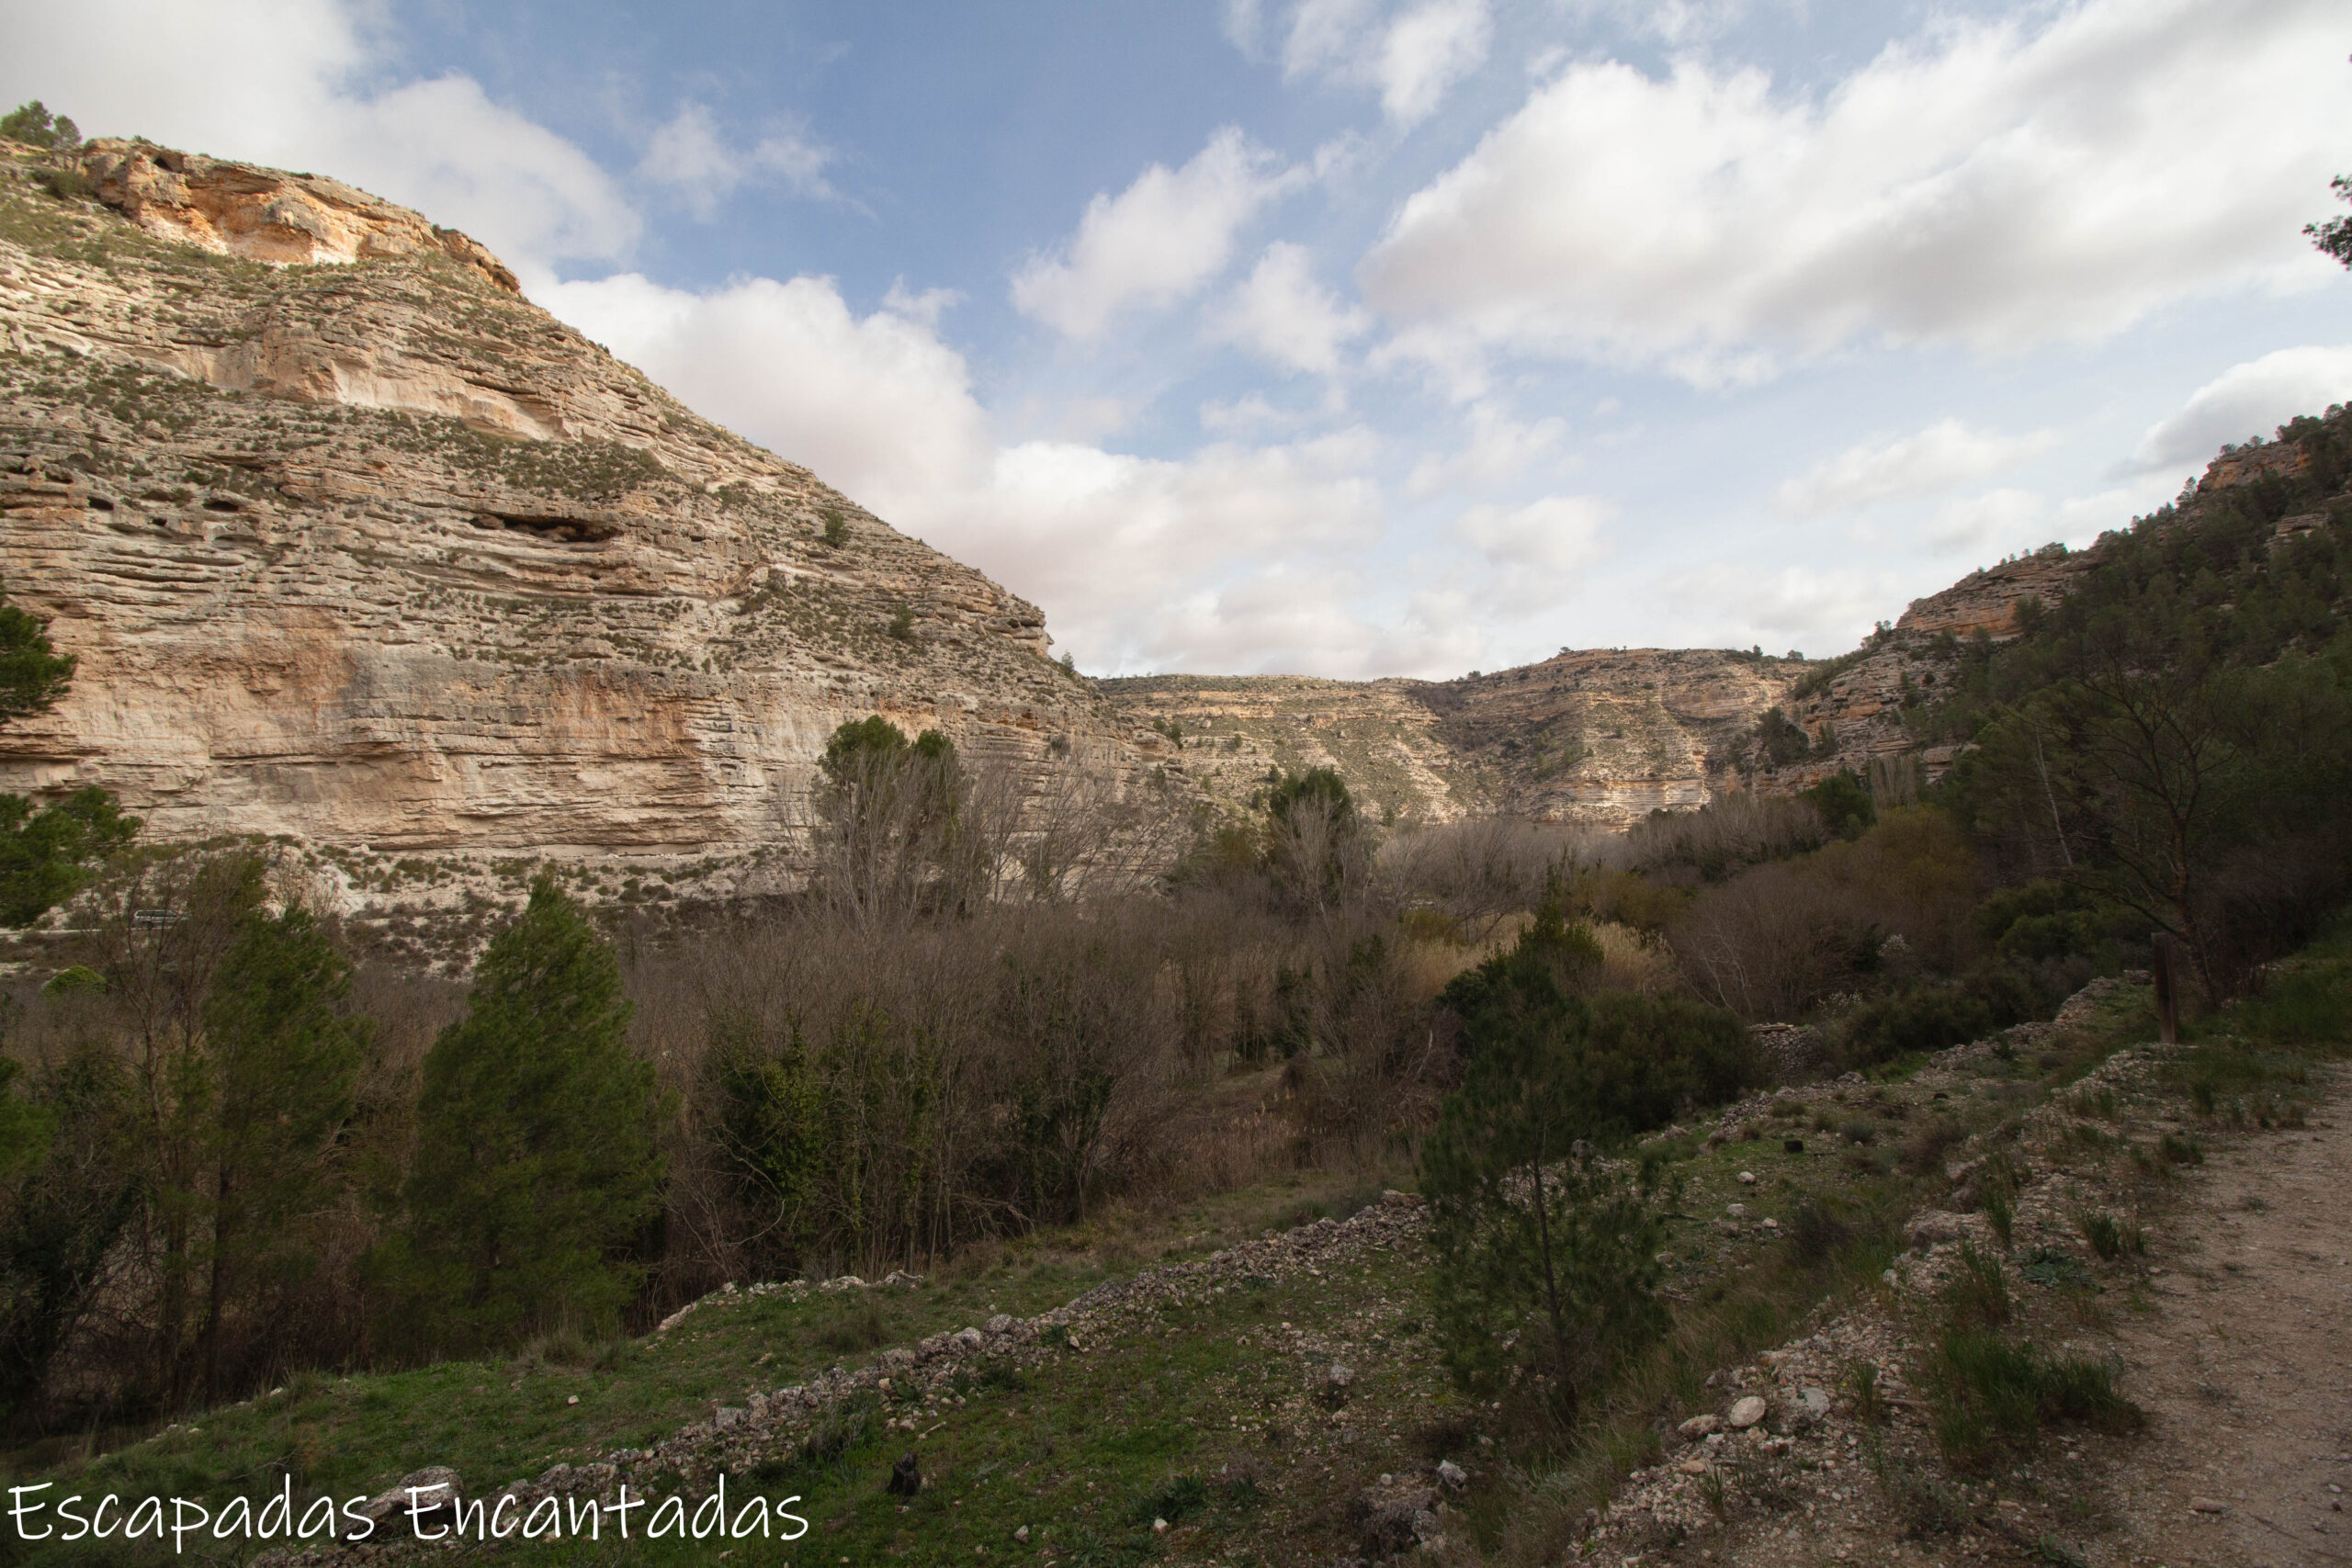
point(2173, 742)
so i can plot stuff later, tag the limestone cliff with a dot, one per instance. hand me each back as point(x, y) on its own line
point(1597, 736)
point(357, 545)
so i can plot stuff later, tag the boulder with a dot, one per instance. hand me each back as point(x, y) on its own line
point(423, 1502)
point(1394, 1518)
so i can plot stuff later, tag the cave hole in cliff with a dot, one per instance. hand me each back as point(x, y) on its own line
point(551, 527)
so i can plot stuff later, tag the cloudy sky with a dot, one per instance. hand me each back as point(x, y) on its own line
point(1360, 337)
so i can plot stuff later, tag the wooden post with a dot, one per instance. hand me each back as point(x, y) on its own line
point(2167, 990)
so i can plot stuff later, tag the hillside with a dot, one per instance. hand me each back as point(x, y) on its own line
point(356, 544)
point(1275, 1396)
point(1605, 736)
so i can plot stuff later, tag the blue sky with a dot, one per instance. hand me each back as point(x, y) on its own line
point(1362, 337)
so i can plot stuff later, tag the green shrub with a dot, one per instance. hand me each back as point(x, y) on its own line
point(1844, 802)
point(75, 980)
point(1546, 1270)
point(2049, 1266)
point(2041, 920)
point(1781, 740)
point(1815, 1235)
point(1179, 1500)
point(1639, 1060)
point(35, 127)
point(1648, 1057)
point(1919, 1018)
point(2310, 1005)
point(2001, 1213)
point(68, 184)
point(2111, 1237)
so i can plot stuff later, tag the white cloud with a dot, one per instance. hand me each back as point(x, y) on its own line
point(2245, 400)
point(1991, 183)
point(926, 307)
point(1412, 59)
point(1141, 562)
point(1244, 22)
point(1426, 52)
point(1156, 243)
point(876, 405)
point(1997, 521)
point(1791, 606)
point(1499, 449)
point(1090, 418)
point(1679, 23)
point(441, 146)
point(687, 155)
point(1233, 558)
point(1283, 316)
point(1946, 455)
point(444, 147)
point(1245, 415)
point(1559, 533)
point(2080, 519)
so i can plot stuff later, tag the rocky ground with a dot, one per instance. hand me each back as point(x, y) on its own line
point(2224, 1315)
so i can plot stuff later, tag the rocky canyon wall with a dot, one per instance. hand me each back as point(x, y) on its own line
point(356, 544)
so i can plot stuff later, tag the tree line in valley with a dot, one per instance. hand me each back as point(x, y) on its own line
point(232, 1145)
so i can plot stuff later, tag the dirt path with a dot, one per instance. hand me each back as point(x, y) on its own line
point(2245, 1367)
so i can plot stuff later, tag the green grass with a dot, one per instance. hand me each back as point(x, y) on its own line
point(1209, 1429)
point(496, 1421)
point(1989, 1399)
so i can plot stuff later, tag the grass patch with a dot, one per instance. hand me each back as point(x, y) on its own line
point(1977, 1294)
point(1989, 1400)
point(2048, 1266)
point(2112, 1237)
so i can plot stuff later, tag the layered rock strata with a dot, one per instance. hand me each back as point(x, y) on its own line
point(356, 544)
point(1601, 735)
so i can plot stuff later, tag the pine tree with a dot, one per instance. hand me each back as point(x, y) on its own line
point(1544, 1245)
point(287, 1059)
point(33, 675)
point(1545, 1272)
point(45, 854)
point(536, 1163)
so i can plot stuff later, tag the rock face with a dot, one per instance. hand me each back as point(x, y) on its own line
point(1602, 737)
point(1855, 703)
point(237, 209)
point(356, 544)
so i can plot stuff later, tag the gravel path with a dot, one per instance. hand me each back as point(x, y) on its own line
point(2246, 1366)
